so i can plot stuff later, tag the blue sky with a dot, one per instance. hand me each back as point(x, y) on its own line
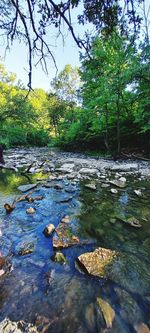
point(16, 60)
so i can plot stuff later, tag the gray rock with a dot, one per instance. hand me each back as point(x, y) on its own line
point(88, 171)
point(91, 186)
point(25, 188)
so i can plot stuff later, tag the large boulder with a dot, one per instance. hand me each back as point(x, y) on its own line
point(125, 269)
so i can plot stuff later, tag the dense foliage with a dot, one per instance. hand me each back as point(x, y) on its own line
point(105, 104)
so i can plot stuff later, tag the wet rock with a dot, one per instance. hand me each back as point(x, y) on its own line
point(59, 257)
point(30, 210)
point(142, 328)
point(8, 326)
point(26, 248)
point(9, 208)
point(48, 230)
point(107, 311)
point(64, 237)
point(121, 182)
point(122, 268)
point(65, 219)
point(91, 186)
point(95, 263)
point(25, 188)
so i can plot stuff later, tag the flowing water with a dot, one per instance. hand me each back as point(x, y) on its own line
point(60, 298)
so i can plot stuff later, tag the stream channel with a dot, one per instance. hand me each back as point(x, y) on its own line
point(61, 297)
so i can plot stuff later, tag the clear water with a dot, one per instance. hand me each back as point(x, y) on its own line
point(41, 291)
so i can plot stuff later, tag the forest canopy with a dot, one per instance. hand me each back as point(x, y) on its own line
point(103, 105)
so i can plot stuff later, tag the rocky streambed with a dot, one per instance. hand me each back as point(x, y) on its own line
point(74, 243)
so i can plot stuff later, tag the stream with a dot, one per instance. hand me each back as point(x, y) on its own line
point(61, 297)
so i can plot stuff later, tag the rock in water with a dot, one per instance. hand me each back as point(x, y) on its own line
point(9, 208)
point(125, 269)
point(96, 262)
point(59, 257)
point(30, 210)
point(107, 311)
point(25, 188)
point(65, 219)
point(48, 230)
point(142, 328)
point(64, 237)
point(26, 248)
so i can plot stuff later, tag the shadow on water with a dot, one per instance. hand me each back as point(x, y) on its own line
point(41, 291)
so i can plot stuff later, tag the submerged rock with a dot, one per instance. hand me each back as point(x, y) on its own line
point(64, 237)
point(142, 328)
point(26, 248)
point(122, 268)
point(59, 257)
point(48, 230)
point(107, 311)
point(25, 188)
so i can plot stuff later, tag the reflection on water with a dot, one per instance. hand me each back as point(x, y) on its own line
point(44, 292)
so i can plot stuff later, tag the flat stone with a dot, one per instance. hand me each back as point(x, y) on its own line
point(107, 311)
point(91, 186)
point(124, 167)
point(88, 171)
point(114, 191)
point(48, 230)
point(25, 188)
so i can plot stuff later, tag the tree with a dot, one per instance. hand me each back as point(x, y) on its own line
point(66, 85)
point(31, 21)
point(106, 77)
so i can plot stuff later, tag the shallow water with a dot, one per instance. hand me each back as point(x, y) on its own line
point(39, 290)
